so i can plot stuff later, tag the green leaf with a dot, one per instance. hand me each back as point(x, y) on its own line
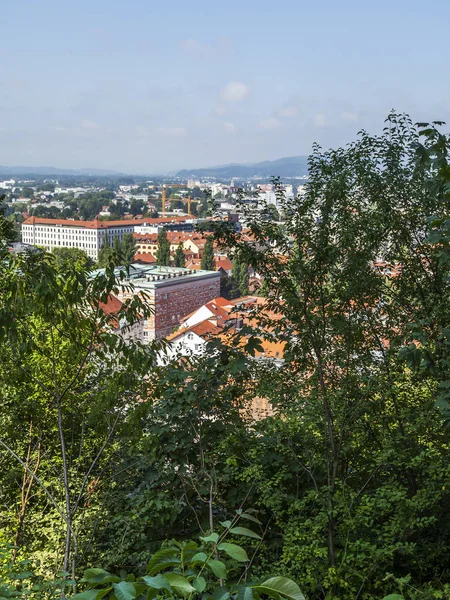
point(200, 557)
point(218, 568)
point(220, 593)
point(99, 576)
point(280, 586)
point(212, 537)
point(199, 584)
point(23, 575)
point(246, 532)
point(162, 559)
point(234, 551)
point(245, 592)
point(179, 583)
point(159, 582)
point(226, 524)
point(124, 590)
point(102, 593)
point(393, 597)
point(245, 515)
point(86, 595)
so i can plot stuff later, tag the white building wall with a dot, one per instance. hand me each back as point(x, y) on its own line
point(51, 236)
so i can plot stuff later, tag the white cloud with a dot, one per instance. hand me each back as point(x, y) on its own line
point(221, 110)
point(191, 46)
point(229, 127)
point(349, 116)
point(288, 112)
point(320, 120)
point(235, 91)
point(173, 131)
point(57, 128)
point(271, 123)
point(86, 124)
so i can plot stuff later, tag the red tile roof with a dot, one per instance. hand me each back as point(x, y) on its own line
point(144, 258)
point(205, 329)
point(97, 224)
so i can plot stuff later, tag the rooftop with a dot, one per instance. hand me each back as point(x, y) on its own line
point(97, 224)
point(149, 276)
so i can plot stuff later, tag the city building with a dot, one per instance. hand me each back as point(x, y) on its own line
point(85, 235)
point(171, 293)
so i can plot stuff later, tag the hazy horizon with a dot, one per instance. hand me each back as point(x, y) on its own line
point(143, 89)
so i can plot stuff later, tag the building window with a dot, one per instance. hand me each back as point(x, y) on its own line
point(190, 336)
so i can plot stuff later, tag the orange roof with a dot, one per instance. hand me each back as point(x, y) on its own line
point(97, 224)
point(112, 306)
point(144, 258)
point(203, 329)
point(224, 263)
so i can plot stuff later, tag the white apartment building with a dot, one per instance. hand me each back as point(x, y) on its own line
point(65, 233)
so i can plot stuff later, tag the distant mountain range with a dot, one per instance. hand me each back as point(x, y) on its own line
point(42, 171)
point(292, 166)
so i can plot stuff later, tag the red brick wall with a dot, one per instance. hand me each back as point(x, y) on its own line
point(175, 302)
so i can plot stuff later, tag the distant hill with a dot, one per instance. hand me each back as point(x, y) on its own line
point(42, 171)
point(292, 166)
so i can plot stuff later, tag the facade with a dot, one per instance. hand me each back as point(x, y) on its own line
point(172, 293)
point(189, 341)
point(65, 233)
point(85, 235)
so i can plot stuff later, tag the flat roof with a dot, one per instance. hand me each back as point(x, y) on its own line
point(155, 276)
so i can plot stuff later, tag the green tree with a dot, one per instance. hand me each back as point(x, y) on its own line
point(7, 230)
point(356, 270)
point(64, 257)
point(208, 263)
point(136, 206)
point(105, 255)
point(128, 249)
point(65, 378)
point(117, 252)
point(179, 260)
point(163, 251)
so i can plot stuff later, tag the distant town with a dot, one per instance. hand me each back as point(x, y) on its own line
point(159, 231)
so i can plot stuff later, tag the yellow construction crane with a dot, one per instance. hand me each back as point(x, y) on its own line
point(163, 198)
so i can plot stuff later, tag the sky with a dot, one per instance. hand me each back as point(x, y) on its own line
point(150, 87)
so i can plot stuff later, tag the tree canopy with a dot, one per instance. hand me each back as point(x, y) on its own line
point(341, 485)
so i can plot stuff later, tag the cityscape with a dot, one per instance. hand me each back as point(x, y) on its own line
point(224, 301)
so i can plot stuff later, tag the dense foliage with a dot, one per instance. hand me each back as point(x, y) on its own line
point(107, 452)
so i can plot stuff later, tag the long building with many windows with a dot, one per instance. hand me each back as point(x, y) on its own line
point(86, 235)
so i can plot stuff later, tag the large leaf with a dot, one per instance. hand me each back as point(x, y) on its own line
point(162, 559)
point(200, 557)
point(180, 584)
point(99, 576)
point(212, 537)
point(159, 582)
point(280, 586)
point(200, 584)
point(124, 590)
point(220, 593)
point(86, 595)
point(245, 531)
point(245, 592)
point(234, 551)
point(394, 597)
point(245, 515)
point(218, 568)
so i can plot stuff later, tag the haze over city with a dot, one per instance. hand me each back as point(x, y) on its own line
point(145, 87)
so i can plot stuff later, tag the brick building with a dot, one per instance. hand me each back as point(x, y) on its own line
point(172, 293)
